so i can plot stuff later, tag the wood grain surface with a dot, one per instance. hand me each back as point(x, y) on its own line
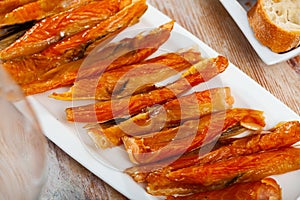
point(211, 23)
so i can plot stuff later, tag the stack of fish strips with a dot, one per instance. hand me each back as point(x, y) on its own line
point(48, 40)
point(182, 144)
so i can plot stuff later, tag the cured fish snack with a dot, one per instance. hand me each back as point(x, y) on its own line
point(125, 107)
point(115, 55)
point(266, 188)
point(240, 169)
point(284, 135)
point(140, 172)
point(220, 175)
point(168, 115)
point(54, 28)
point(130, 79)
point(192, 134)
point(28, 69)
point(127, 51)
point(38, 10)
point(73, 47)
point(63, 75)
point(8, 5)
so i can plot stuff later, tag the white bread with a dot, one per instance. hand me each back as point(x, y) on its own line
point(276, 23)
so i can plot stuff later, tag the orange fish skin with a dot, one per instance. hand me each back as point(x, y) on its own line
point(156, 116)
point(127, 51)
point(265, 189)
point(38, 10)
point(192, 134)
point(121, 82)
point(60, 76)
point(115, 133)
point(67, 74)
point(54, 28)
point(30, 68)
point(8, 5)
point(240, 169)
point(102, 111)
point(74, 46)
point(285, 135)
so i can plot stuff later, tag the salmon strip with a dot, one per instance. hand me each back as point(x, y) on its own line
point(141, 172)
point(74, 46)
point(285, 135)
point(38, 10)
point(108, 110)
point(8, 5)
point(192, 134)
point(30, 68)
point(127, 51)
point(266, 188)
point(162, 186)
point(54, 28)
point(124, 81)
point(219, 175)
point(63, 75)
point(130, 51)
point(168, 115)
point(240, 169)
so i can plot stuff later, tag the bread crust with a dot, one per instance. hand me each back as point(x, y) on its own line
point(268, 33)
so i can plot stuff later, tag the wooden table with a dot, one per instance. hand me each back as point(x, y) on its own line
point(211, 23)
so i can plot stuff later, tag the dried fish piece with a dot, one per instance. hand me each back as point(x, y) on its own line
point(284, 135)
point(108, 110)
point(240, 169)
point(63, 75)
point(222, 174)
point(115, 55)
point(30, 68)
point(73, 47)
point(266, 188)
point(8, 5)
point(127, 51)
point(130, 79)
point(38, 10)
point(192, 134)
point(170, 114)
point(54, 28)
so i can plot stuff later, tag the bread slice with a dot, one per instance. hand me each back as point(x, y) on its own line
point(276, 23)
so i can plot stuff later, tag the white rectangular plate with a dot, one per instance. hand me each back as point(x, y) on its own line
point(238, 11)
point(247, 93)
